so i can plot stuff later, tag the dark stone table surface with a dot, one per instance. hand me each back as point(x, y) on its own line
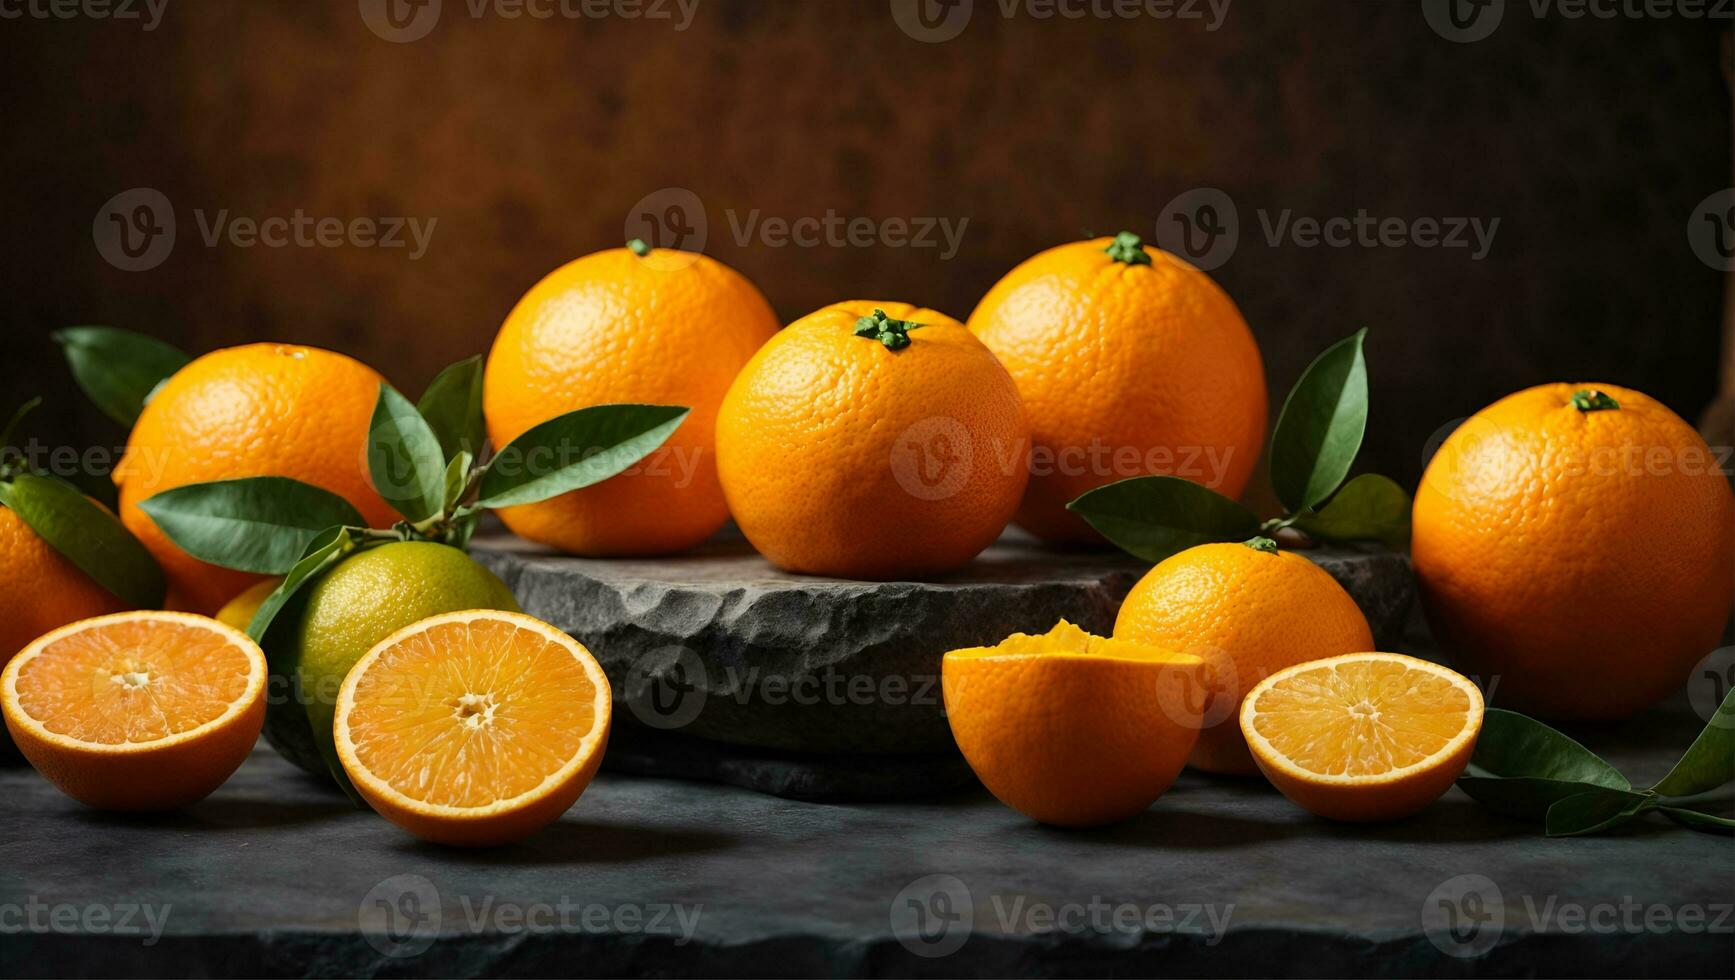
point(274, 875)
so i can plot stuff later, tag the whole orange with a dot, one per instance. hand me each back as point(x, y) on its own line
point(666, 328)
point(258, 410)
point(40, 589)
point(1248, 611)
point(1131, 363)
point(1576, 545)
point(872, 441)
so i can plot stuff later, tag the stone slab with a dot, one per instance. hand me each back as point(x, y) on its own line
point(719, 644)
point(274, 876)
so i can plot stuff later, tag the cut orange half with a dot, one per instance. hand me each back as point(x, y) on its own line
point(473, 728)
point(137, 710)
point(1073, 729)
point(1365, 736)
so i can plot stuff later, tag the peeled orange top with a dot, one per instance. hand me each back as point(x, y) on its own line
point(474, 727)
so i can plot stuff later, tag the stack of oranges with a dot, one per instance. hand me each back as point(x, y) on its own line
point(877, 439)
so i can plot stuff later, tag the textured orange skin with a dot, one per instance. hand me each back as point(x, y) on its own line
point(1582, 588)
point(1126, 358)
point(1070, 741)
point(670, 328)
point(493, 829)
point(815, 446)
point(258, 410)
point(40, 590)
point(1247, 614)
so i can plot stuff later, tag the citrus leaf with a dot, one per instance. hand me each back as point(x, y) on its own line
point(1154, 517)
point(457, 479)
point(1522, 767)
point(576, 450)
point(1320, 429)
point(1698, 820)
point(89, 536)
point(1595, 811)
point(118, 369)
point(1710, 761)
point(1368, 508)
point(453, 407)
point(260, 524)
point(404, 460)
point(325, 550)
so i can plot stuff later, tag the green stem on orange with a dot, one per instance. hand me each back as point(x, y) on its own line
point(895, 334)
point(1261, 543)
point(1590, 400)
point(1129, 248)
point(639, 247)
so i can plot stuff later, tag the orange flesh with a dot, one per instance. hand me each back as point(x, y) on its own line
point(466, 714)
point(133, 682)
point(1065, 639)
point(1365, 718)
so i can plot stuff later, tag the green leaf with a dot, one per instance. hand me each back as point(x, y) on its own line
point(325, 550)
point(1698, 820)
point(404, 460)
point(1368, 508)
point(1594, 811)
point(457, 479)
point(260, 524)
point(88, 535)
point(1710, 761)
point(453, 407)
point(11, 428)
point(1154, 517)
point(576, 450)
point(119, 370)
point(1320, 429)
point(1522, 767)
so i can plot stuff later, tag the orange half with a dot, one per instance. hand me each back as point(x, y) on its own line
point(137, 710)
point(1365, 736)
point(473, 728)
point(1072, 729)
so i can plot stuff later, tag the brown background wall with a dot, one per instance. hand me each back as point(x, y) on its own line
point(531, 141)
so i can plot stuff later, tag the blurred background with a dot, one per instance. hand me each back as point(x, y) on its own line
point(1517, 198)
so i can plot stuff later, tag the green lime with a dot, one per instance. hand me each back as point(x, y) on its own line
point(367, 598)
